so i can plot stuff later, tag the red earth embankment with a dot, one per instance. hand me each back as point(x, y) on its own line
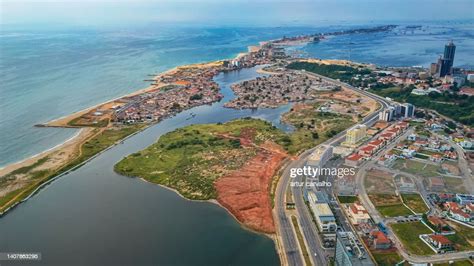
point(245, 192)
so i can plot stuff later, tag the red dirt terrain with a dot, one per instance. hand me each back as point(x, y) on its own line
point(245, 192)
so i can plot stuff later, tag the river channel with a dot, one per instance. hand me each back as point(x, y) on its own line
point(93, 216)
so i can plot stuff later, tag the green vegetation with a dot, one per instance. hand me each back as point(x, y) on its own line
point(309, 124)
point(454, 185)
point(463, 238)
point(343, 73)
point(452, 105)
point(456, 263)
point(460, 242)
point(78, 122)
point(196, 97)
point(393, 210)
point(307, 260)
point(408, 233)
point(386, 258)
point(389, 205)
point(417, 168)
point(95, 145)
point(415, 202)
point(347, 199)
point(190, 159)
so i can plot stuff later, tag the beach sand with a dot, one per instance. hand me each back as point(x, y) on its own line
point(57, 155)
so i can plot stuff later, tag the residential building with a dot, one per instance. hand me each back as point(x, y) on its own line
point(440, 242)
point(355, 135)
point(353, 160)
point(380, 240)
point(460, 215)
point(464, 199)
point(358, 214)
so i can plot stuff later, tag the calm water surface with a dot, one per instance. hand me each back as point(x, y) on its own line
point(94, 216)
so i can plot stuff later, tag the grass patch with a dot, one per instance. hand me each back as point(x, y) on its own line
point(417, 168)
point(464, 237)
point(81, 122)
point(299, 235)
point(347, 199)
point(408, 233)
point(460, 242)
point(456, 263)
point(393, 210)
point(344, 73)
point(313, 127)
point(415, 202)
point(389, 205)
point(386, 258)
point(190, 159)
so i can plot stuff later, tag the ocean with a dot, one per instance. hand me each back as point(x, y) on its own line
point(93, 216)
point(47, 74)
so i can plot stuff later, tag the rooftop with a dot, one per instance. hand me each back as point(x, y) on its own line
point(323, 209)
point(441, 239)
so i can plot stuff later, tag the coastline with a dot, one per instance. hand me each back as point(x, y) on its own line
point(62, 122)
point(74, 144)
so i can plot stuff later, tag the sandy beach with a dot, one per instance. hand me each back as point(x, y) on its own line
point(72, 145)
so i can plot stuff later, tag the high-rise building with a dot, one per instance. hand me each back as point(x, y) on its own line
point(446, 64)
point(407, 110)
point(444, 68)
point(355, 135)
point(387, 114)
point(434, 68)
point(449, 51)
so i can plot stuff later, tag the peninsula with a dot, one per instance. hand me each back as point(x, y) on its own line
point(108, 123)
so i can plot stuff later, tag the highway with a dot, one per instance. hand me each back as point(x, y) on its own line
point(285, 229)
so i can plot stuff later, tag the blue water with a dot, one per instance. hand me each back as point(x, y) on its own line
point(49, 74)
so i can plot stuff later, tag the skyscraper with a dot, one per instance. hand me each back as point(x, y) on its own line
point(448, 59)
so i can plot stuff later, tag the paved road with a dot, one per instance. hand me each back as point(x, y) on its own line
point(286, 234)
point(378, 218)
point(285, 231)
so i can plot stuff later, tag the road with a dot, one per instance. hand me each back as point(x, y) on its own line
point(285, 230)
point(363, 196)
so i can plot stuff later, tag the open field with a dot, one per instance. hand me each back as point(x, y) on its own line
point(415, 202)
point(464, 237)
point(348, 199)
point(454, 185)
point(232, 162)
point(417, 168)
point(379, 182)
point(408, 233)
point(313, 127)
point(190, 159)
point(389, 205)
point(386, 258)
point(456, 263)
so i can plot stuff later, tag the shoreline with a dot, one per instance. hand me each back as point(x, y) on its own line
point(41, 154)
point(212, 201)
point(62, 122)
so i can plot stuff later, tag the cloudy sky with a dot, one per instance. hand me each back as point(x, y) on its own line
point(259, 12)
